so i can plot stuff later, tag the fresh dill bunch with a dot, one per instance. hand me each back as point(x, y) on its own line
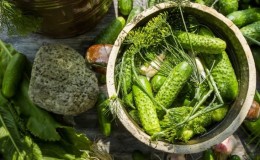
point(15, 21)
point(151, 34)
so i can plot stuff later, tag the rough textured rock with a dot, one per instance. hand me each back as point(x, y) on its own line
point(61, 82)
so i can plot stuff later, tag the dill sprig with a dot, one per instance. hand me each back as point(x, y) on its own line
point(15, 21)
point(151, 34)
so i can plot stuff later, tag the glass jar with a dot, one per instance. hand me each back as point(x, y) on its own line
point(66, 18)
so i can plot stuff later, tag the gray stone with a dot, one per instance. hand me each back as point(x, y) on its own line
point(61, 82)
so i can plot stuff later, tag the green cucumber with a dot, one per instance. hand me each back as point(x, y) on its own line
point(222, 72)
point(13, 75)
point(220, 113)
point(251, 31)
point(244, 17)
point(146, 109)
point(208, 155)
point(134, 12)
point(103, 115)
point(125, 6)
point(109, 34)
point(176, 80)
point(126, 76)
point(157, 81)
point(146, 85)
point(200, 43)
point(128, 100)
point(227, 6)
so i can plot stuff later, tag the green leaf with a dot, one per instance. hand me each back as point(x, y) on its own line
point(39, 122)
point(6, 53)
point(13, 144)
point(72, 146)
point(9, 124)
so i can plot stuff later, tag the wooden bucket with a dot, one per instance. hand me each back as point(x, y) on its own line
point(240, 56)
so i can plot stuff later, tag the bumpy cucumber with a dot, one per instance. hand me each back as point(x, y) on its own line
point(103, 115)
point(173, 84)
point(222, 71)
point(126, 76)
point(227, 6)
point(128, 100)
point(109, 34)
point(125, 6)
point(146, 109)
point(223, 74)
point(13, 75)
point(135, 11)
point(251, 31)
point(220, 113)
point(157, 81)
point(244, 17)
point(200, 43)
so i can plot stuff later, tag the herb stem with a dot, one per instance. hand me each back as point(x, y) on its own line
point(5, 49)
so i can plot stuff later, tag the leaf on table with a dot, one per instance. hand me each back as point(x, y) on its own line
point(13, 144)
point(72, 146)
point(43, 127)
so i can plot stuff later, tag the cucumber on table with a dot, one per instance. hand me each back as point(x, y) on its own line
point(251, 31)
point(103, 115)
point(135, 11)
point(125, 6)
point(109, 34)
point(244, 17)
point(208, 155)
point(145, 107)
point(13, 75)
point(227, 6)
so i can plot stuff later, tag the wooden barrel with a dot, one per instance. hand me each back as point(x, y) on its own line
point(242, 61)
point(62, 19)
